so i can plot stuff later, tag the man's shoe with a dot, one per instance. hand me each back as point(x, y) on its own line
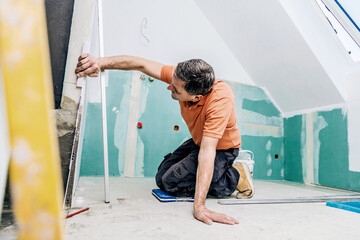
point(246, 156)
point(245, 184)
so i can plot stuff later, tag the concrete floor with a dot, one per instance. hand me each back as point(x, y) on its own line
point(134, 213)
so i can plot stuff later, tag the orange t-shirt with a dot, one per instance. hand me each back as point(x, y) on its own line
point(213, 116)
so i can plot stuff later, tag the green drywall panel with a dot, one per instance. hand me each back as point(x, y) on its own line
point(118, 99)
point(253, 106)
point(244, 91)
point(334, 152)
point(265, 150)
point(292, 149)
point(260, 127)
point(264, 107)
point(159, 113)
point(92, 152)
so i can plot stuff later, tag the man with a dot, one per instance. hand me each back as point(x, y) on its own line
point(204, 164)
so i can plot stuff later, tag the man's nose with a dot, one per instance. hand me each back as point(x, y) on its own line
point(170, 87)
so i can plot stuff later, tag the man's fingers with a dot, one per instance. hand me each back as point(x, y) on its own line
point(230, 220)
point(222, 218)
point(235, 220)
point(206, 220)
point(83, 67)
point(83, 61)
point(82, 56)
point(83, 64)
point(208, 217)
point(90, 70)
point(203, 218)
point(93, 74)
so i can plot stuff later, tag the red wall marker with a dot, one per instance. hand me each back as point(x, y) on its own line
point(139, 125)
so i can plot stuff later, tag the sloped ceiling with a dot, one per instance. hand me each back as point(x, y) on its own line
point(273, 52)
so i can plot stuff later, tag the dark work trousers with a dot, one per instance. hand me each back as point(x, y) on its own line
point(177, 172)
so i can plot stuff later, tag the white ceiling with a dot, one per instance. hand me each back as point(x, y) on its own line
point(271, 49)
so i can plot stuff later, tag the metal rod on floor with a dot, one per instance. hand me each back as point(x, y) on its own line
point(315, 199)
point(103, 104)
point(75, 213)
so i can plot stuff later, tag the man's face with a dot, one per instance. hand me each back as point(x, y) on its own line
point(179, 93)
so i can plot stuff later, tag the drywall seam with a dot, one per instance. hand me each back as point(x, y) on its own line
point(140, 157)
point(303, 145)
point(353, 136)
point(81, 31)
point(120, 132)
point(249, 129)
point(132, 135)
point(248, 116)
point(272, 100)
point(309, 143)
point(319, 124)
point(316, 109)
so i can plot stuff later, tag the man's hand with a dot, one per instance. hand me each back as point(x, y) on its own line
point(207, 216)
point(204, 175)
point(88, 65)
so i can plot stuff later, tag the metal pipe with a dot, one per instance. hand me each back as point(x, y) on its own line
point(103, 104)
point(314, 199)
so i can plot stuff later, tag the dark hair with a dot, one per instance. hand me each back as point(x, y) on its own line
point(199, 76)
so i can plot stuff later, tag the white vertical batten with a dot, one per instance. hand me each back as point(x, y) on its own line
point(132, 132)
point(103, 105)
point(309, 146)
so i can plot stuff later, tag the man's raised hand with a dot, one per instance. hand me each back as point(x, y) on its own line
point(88, 65)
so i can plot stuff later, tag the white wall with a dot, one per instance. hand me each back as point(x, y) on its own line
point(177, 31)
point(81, 31)
point(272, 50)
point(322, 40)
point(289, 47)
point(4, 144)
point(343, 72)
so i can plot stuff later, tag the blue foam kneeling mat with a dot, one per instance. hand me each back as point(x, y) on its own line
point(348, 206)
point(163, 196)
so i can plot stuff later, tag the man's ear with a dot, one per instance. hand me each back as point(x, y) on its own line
point(198, 98)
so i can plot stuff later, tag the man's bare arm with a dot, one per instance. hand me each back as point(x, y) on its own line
point(204, 175)
point(89, 65)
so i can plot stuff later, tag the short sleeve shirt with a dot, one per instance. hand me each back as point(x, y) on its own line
point(213, 116)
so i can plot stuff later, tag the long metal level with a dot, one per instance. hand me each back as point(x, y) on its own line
point(103, 105)
point(314, 199)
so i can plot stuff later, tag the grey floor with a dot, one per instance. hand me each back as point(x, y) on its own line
point(134, 213)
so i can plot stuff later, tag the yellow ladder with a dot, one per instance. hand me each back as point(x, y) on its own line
point(35, 165)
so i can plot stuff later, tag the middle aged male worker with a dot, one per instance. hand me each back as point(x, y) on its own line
point(204, 164)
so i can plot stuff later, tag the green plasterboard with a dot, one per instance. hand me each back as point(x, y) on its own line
point(292, 149)
point(264, 107)
point(266, 165)
point(159, 113)
point(334, 152)
point(118, 99)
